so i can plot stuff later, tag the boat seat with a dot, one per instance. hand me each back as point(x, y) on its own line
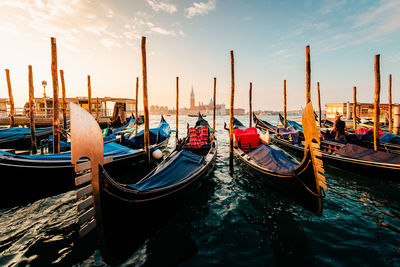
point(198, 136)
point(247, 139)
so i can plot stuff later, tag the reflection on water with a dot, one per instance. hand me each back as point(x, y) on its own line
point(230, 220)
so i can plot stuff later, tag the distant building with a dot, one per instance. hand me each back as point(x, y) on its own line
point(206, 109)
point(363, 110)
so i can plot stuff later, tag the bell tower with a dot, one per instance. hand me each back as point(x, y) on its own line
point(192, 105)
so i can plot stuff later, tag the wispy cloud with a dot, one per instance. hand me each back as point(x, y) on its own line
point(72, 21)
point(158, 5)
point(110, 43)
point(162, 31)
point(200, 8)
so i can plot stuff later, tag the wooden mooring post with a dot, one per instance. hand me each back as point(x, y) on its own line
point(390, 105)
point(308, 75)
point(56, 105)
point(319, 106)
point(145, 102)
point(10, 99)
point(355, 108)
point(250, 105)
point(89, 94)
point(177, 112)
point(32, 110)
point(97, 110)
point(214, 102)
point(136, 105)
point(64, 102)
point(376, 101)
point(284, 105)
point(231, 113)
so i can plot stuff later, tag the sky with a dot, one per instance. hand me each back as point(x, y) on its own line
point(192, 39)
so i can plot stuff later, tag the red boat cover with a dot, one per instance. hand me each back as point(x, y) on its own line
point(363, 153)
point(247, 139)
point(365, 130)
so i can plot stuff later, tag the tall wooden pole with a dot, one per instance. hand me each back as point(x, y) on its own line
point(376, 101)
point(64, 102)
point(319, 106)
point(136, 104)
point(284, 105)
point(250, 104)
point(11, 99)
point(145, 103)
point(97, 110)
point(308, 75)
point(56, 105)
point(89, 94)
point(390, 104)
point(231, 113)
point(355, 108)
point(214, 102)
point(31, 110)
point(177, 111)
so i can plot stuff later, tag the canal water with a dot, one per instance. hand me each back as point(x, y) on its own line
point(231, 220)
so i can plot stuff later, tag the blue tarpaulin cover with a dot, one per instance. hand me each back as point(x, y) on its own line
point(19, 132)
point(178, 168)
point(296, 125)
point(137, 141)
point(289, 133)
point(111, 149)
point(363, 153)
point(390, 138)
point(273, 159)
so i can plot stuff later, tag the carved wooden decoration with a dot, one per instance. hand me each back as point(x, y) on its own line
point(87, 142)
point(312, 143)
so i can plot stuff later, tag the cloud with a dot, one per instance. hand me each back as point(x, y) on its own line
point(201, 8)
point(157, 5)
point(163, 31)
point(110, 43)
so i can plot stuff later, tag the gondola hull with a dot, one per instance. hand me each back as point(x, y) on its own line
point(129, 218)
point(290, 185)
point(375, 169)
point(27, 180)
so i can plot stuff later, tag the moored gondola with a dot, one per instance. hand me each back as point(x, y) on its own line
point(26, 178)
point(126, 214)
point(300, 181)
point(350, 157)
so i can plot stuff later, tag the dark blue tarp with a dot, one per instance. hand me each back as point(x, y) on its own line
point(111, 149)
point(178, 168)
point(390, 138)
point(289, 133)
point(363, 153)
point(137, 141)
point(19, 132)
point(131, 123)
point(273, 159)
point(296, 125)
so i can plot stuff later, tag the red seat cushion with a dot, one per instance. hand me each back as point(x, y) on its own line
point(198, 137)
point(247, 139)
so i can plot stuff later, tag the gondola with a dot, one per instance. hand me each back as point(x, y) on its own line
point(300, 181)
point(26, 178)
point(125, 215)
point(350, 157)
point(20, 137)
point(296, 125)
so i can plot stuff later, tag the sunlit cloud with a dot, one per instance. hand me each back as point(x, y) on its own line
point(162, 31)
point(158, 5)
point(201, 8)
point(110, 43)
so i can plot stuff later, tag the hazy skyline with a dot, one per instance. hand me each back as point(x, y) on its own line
point(192, 40)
